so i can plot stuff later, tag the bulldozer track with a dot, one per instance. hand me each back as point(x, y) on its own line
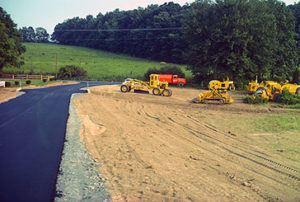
point(217, 143)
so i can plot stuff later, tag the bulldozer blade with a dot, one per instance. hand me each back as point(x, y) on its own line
point(195, 100)
point(141, 91)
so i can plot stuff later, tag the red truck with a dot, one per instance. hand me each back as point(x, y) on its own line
point(172, 79)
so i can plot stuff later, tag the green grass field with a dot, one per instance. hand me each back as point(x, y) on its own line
point(100, 65)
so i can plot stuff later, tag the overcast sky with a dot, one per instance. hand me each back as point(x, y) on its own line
point(48, 13)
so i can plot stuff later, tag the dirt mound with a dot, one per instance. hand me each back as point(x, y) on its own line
point(166, 148)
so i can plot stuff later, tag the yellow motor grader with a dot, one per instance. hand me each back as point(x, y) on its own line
point(219, 96)
point(158, 87)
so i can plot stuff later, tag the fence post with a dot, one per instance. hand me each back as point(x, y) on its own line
point(41, 77)
point(13, 76)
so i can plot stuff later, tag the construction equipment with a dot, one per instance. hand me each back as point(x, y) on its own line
point(158, 87)
point(254, 85)
point(272, 89)
point(225, 85)
point(219, 96)
point(292, 88)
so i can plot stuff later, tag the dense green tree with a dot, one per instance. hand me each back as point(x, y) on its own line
point(240, 39)
point(41, 35)
point(10, 42)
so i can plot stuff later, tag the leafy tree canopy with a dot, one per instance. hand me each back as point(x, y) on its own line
point(241, 39)
point(10, 43)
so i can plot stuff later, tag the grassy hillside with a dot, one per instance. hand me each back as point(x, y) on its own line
point(41, 58)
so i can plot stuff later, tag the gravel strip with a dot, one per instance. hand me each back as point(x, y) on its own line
point(78, 179)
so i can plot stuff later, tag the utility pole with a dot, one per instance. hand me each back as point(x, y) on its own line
point(56, 68)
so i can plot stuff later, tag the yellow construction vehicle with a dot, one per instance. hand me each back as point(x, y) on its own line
point(273, 89)
point(225, 85)
point(158, 87)
point(253, 86)
point(270, 91)
point(219, 96)
point(292, 88)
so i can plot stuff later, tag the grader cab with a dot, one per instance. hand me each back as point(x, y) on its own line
point(157, 87)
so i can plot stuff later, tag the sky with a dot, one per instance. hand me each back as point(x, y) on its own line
point(48, 13)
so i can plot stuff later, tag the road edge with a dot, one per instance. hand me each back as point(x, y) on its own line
point(78, 178)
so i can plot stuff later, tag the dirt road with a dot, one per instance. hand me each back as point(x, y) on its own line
point(166, 148)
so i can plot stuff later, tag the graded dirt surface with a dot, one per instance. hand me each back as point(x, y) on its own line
point(10, 93)
point(166, 148)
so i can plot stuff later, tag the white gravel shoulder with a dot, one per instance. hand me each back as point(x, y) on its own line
point(78, 179)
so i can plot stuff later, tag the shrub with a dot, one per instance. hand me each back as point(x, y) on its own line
point(17, 83)
point(28, 82)
point(288, 98)
point(257, 100)
point(7, 84)
point(71, 72)
point(165, 70)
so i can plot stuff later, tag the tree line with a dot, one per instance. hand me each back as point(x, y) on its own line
point(29, 34)
point(154, 32)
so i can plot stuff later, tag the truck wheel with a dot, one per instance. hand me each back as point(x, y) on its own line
point(156, 91)
point(181, 84)
point(124, 88)
point(298, 91)
point(167, 92)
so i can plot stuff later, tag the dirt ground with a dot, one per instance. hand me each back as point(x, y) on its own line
point(10, 93)
point(166, 148)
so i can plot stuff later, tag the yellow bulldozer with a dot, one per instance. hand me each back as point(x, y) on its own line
point(158, 87)
point(225, 85)
point(219, 96)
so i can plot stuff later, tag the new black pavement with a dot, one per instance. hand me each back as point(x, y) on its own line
point(32, 133)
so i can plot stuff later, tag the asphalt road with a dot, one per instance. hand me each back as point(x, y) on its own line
point(32, 134)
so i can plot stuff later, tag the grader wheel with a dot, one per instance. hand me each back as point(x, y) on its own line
point(124, 88)
point(167, 92)
point(156, 91)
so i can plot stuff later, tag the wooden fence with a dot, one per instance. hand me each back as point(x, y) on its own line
point(26, 76)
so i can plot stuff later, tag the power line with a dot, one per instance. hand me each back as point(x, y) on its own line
point(119, 30)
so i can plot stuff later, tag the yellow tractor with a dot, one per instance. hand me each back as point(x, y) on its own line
point(225, 85)
point(158, 87)
point(219, 96)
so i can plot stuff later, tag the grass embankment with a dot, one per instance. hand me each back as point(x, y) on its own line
point(100, 65)
point(276, 132)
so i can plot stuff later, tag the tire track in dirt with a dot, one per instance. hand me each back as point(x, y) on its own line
point(250, 159)
point(218, 132)
point(165, 149)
